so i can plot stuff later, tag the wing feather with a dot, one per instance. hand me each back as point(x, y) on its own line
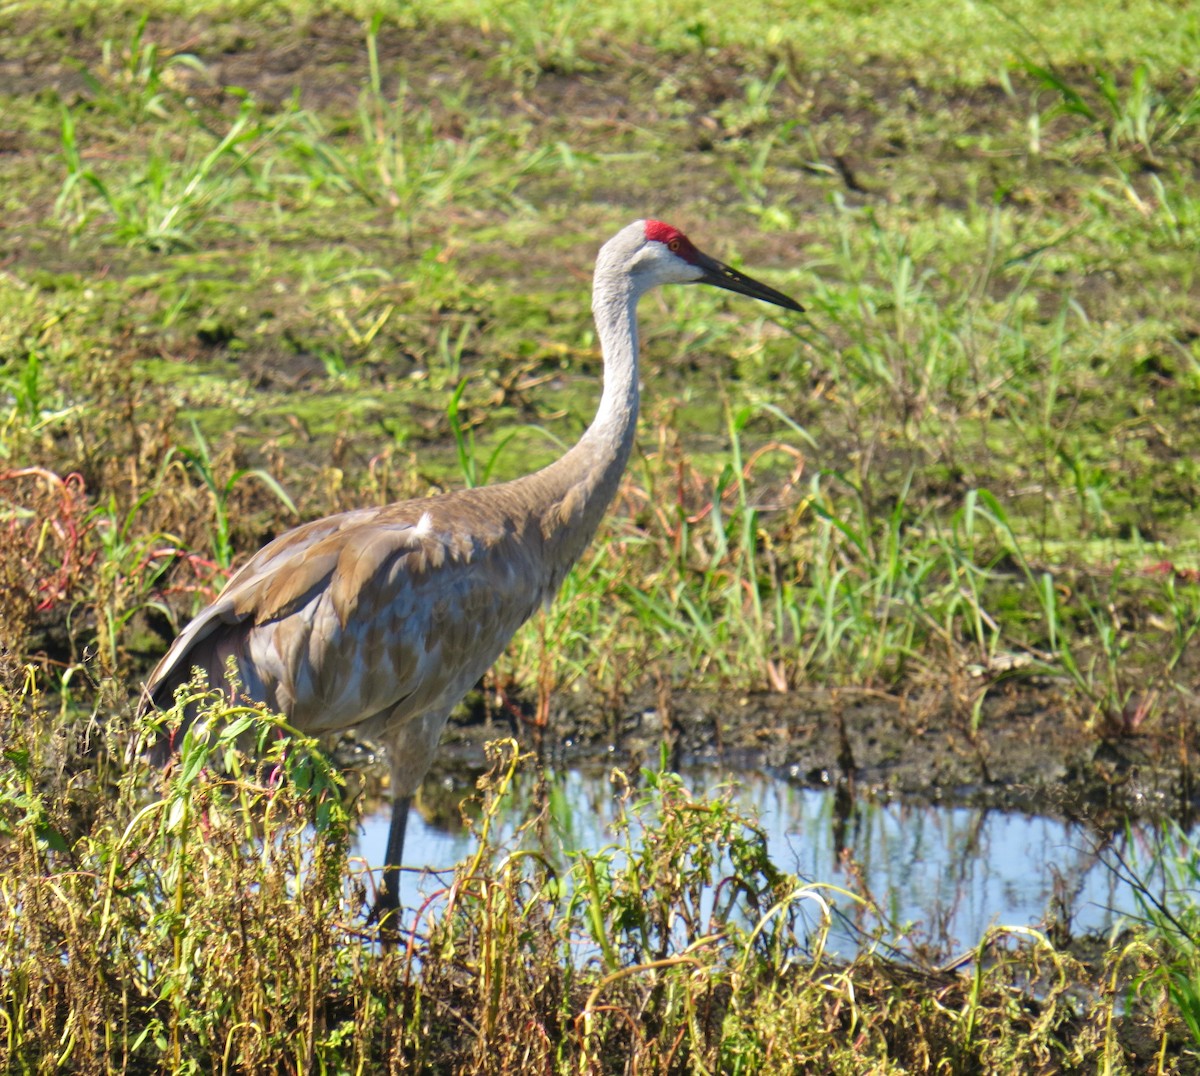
point(388, 610)
point(280, 578)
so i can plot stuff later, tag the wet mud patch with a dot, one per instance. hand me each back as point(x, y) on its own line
point(1030, 753)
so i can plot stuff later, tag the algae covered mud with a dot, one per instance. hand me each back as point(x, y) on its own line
point(262, 263)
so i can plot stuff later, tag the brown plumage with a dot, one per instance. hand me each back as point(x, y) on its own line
point(381, 619)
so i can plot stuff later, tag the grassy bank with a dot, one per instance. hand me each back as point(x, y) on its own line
point(260, 265)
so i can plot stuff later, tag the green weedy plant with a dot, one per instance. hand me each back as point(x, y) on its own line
point(905, 327)
point(416, 169)
point(201, 461)
point(136, 82)
point(130, 567)
point(473, 472)
point(1154, 971)
point(1099, 681)
point(197, 162)
point(1084, 624)
point(746, 582)
point(475, 469)
point(284, 865)
point(540, 36)
point(166, 206)
point(640, 945)
point(1175, 218)
point(27, 389)
point(407, 164)
point(1171, 911)
point(752, 178)
point(450, 352)
point(212, 905)
point(1135, 116)
point(870, 596)
point(755, 109)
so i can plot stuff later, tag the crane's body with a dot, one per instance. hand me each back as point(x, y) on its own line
point(381, 619)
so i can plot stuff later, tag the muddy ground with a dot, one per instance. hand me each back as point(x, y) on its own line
point(1029, 753)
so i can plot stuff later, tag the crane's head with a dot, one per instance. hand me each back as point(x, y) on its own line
point(654, 253)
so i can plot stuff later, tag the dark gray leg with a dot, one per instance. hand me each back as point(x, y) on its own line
point(389, 897)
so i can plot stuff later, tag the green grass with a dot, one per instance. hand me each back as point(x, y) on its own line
point(384, 263)
point(967, 43)
point(394, 268)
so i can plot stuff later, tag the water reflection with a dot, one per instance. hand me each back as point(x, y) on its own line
point(945, 874)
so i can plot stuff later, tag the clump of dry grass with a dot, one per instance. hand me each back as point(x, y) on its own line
point(44, 520)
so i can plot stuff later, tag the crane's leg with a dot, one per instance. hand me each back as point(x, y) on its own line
point(410, 743)
point(389, 898)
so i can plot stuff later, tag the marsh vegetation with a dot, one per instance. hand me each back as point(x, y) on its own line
point(265, 262)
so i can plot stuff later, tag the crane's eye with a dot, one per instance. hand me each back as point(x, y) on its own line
point(673, 246)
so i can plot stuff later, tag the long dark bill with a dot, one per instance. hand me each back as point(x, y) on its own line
point(722, 276)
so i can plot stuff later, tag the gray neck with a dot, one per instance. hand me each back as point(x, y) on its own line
point(585, 480)
point(610, 436)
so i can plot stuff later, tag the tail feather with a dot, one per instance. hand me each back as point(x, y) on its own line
point(201, 666)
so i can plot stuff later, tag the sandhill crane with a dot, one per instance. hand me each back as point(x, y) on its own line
point(382, 619)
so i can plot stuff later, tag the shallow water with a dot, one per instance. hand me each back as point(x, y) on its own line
point(944, 873)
